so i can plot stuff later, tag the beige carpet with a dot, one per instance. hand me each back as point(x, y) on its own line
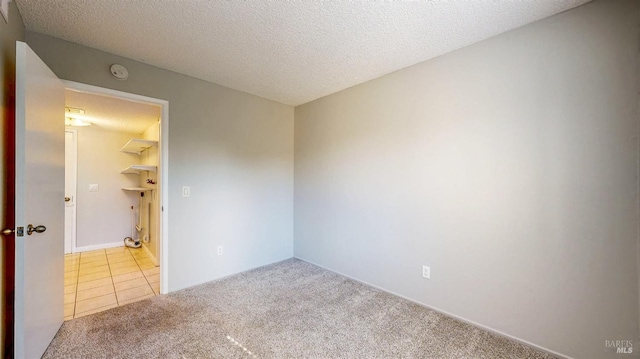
point(290, 309)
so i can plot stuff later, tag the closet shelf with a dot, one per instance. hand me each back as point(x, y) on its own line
point(137, 145)
point(139, 189)
point(136, 169)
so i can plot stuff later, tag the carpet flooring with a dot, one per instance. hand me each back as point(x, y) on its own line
point(290, 309)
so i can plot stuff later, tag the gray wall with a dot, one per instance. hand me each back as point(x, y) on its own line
point(233, 149)
point(104, 217)
point(9, 33)
point(508, 166)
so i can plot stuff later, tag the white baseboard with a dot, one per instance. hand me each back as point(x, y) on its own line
point(151, 256)
point(471, 322)
point(97, 246)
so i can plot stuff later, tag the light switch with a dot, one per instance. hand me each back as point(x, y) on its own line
point(94, 187)
point(186, 191)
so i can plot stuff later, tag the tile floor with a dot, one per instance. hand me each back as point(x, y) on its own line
point(99, 280)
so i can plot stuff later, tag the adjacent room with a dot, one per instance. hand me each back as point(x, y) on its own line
point(111, 202)
point(317, 179)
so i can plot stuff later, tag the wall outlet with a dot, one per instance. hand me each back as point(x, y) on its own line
point(94, 187)
point(186, 191)
point(426, 272)
point(220, 250)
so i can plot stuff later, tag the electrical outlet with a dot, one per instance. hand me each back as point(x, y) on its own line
point(94, 187)
point(186, 191)
point(220, 250)
point(426, 272)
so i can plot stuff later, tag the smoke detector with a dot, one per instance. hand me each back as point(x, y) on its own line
point(120, 72)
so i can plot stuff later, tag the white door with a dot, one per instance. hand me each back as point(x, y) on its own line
point(39, 201)
point(70, 178)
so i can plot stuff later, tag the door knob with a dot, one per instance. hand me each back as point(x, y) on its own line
point(37, 229)
point(67, 199)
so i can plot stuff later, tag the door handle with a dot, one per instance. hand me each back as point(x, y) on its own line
point(67, 199)
point(37, 229)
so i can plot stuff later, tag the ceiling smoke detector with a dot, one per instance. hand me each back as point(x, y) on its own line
point(120, 72)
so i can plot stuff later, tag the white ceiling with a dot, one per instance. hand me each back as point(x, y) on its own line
point(113, 114)
point(288, 51)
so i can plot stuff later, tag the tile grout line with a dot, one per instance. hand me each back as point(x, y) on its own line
point(107, 258)
point(75, 294)
point(113, 285)
point(140, 270)
point(143, 275)
point(75, 302)
point(150, 285)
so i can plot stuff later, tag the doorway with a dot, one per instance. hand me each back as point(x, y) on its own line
point(70, 173)
point(116, 190)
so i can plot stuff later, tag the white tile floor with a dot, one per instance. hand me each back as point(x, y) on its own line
point(99, 280)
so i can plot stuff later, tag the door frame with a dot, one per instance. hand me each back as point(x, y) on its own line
point(163, 171)
point(72, 246)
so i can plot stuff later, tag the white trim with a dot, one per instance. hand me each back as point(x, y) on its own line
point(74, 233)
point(149, 254)
point(80, 87)
point(20, 138)
point(163, 180)
point(471, 322)
point(98, 246)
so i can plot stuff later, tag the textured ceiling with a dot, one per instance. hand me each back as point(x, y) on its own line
point(113, 114)
point(288, 51)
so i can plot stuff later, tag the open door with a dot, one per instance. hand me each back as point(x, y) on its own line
point(39, 205)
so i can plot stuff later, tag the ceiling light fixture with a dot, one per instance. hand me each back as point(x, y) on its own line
point(74, 111)
point(75, 117)
point(75, 122)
